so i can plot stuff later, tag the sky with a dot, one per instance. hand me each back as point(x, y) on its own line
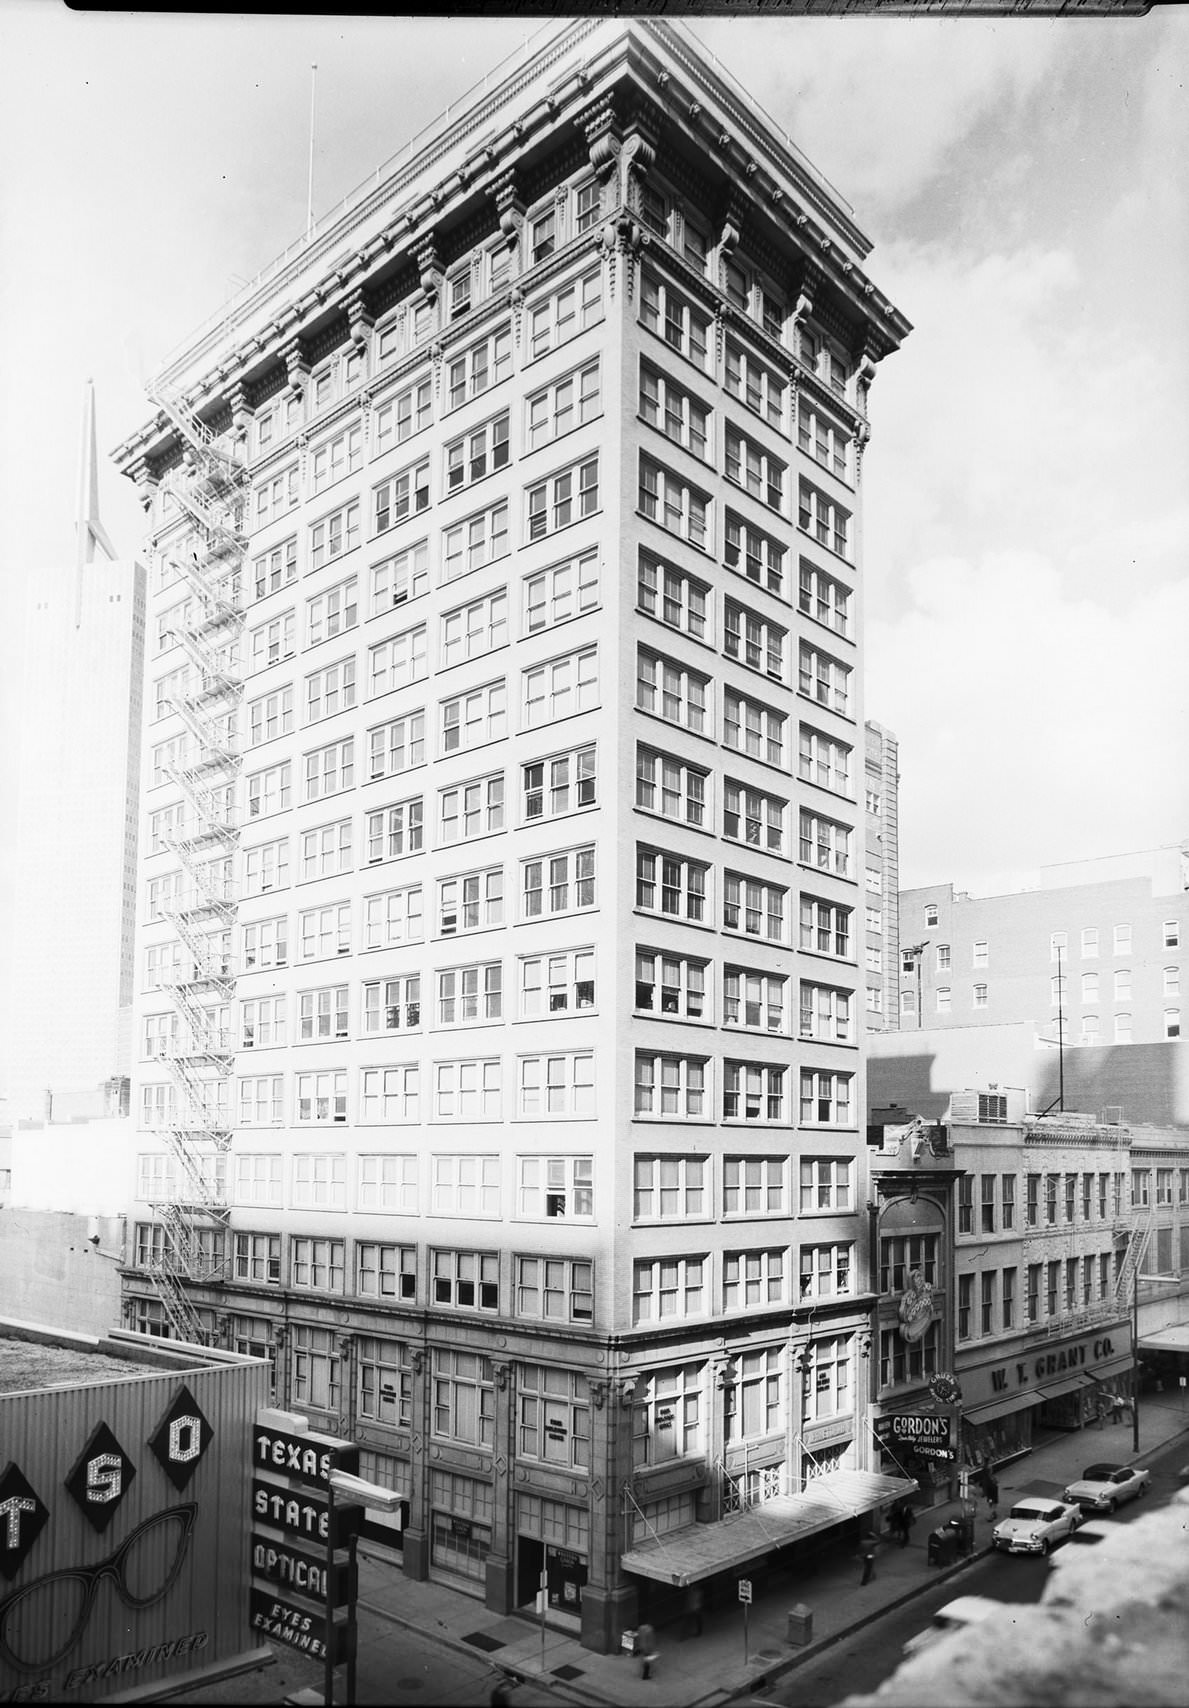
point(1025, 184)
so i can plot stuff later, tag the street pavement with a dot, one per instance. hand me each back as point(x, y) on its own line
point(425, 1642)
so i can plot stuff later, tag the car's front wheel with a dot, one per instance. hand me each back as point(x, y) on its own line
point(1112, 1506)
point(1046, 1547)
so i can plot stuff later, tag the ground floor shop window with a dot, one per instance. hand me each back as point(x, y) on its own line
point(460, 1524)
point(553, 1543)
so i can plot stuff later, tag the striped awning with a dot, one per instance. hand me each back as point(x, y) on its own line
point(701, 1550)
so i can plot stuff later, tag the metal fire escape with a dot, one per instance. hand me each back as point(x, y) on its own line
point(208, 488)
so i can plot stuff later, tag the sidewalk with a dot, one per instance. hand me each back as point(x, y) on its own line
point(707, 1670)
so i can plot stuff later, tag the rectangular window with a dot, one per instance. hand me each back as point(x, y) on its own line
point(315, 1367)
point(262, 1022)
point(275, 495)
point(671, 691)
point(825, 927)
point(395, 916)
point(474, 718)
point(563, 499)
point(388, 1183)
point(479, 540)
point(479, 368)
point(393, 832)
point(676, 412)
point(325, 931)
point(258, 1258)
point(563, 784)
point(555, 1289)
point(319, 1181)
point(755, 641)
point(559, 883)
point(757, 908)
point(670, 787)
point(824, 843)
point(471, 902)
point(555, 1186)
point(329, 770)
point(755, 384)
point(390, 1094)
point(265, 944)
point(556, 595)
point(671, 316)
point(471, 809)
point(823, 679)
point(258, 1180)
point(753, 817)
point(401, 578)
point(465, 1185)
point(754, 1000)
point(565, 314)
point(326, 852)
point(384, 1377)
point(316, 1263)
point(482, 451)
point(555, 1086)
point(333, 612)
point(561, 688)
point(396, 746)
point(823, 760)
point(467, 1090)
point(750, 466)
point(274, 640)
point(667, 1417)
point(268, 717)
point(665, 1288)
point(323, 1014)
point(670, 984)
point(261, 1100)
point(330, 690)
point(567, 403)
point(336, 457)
point(552, 1409)
point(826, 1013)
point(671, 1188)
point(470, 631)
point(469, 996)
point(825, 1098)
point(751, 552)
point(670, 1087)
point(463, 1392)
point(753, 1091)
point(754, 1186)
point(266, 867)
point(753, 728)
point(402, 416)
point(753, 1278)
point(397, 662)
point(669, 885)
point(276, 569)
point(334, 535)
point(559, 983)
point(392, 1004)
point(825, 1184)
point(322, 1097)
point(673, 502)
point(671, 595)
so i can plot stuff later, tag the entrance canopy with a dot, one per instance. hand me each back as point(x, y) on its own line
point(1172, 1339)
point(700, 1551)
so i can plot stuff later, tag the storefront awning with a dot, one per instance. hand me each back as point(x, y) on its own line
point(701, 1550)
point(1172, 1339)
point(1000, 1407)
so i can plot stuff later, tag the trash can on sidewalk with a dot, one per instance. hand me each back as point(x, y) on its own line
point(943, 1546)
point(965, 1534)
point(800, 1629)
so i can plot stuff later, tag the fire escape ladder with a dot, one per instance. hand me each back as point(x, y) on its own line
point(208, 487)
point(1137, 1245)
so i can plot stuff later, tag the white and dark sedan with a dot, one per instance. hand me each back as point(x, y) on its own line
point(1035, 1524)
point(1104, 1487)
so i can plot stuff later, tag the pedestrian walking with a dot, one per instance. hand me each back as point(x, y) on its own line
point(992, 1489)
point(646, 1649)
point(910, 1519)
point(867, 1555)
point(695, 1603)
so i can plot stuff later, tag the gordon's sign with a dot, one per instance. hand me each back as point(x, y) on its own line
point(922, 1432)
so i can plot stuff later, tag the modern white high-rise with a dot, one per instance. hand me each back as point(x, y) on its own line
point(501, 902)
point(68, 1049)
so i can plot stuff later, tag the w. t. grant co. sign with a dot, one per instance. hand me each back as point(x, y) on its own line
point(1092, 1356)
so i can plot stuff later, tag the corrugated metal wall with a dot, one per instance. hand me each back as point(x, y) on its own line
point(54, 1628)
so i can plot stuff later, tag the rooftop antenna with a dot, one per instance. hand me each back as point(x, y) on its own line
point(89, 530)
point(310, 184)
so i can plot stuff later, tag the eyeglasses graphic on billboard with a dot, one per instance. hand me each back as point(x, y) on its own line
point(41, 1623)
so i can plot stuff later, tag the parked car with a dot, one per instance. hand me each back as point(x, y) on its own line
point(1035, 1524)
point(1104, 1487)
point(954, 1616)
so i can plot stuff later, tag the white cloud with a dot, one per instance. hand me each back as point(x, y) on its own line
point(1033, 726)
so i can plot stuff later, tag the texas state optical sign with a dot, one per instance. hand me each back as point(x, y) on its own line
point(46, 1620)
